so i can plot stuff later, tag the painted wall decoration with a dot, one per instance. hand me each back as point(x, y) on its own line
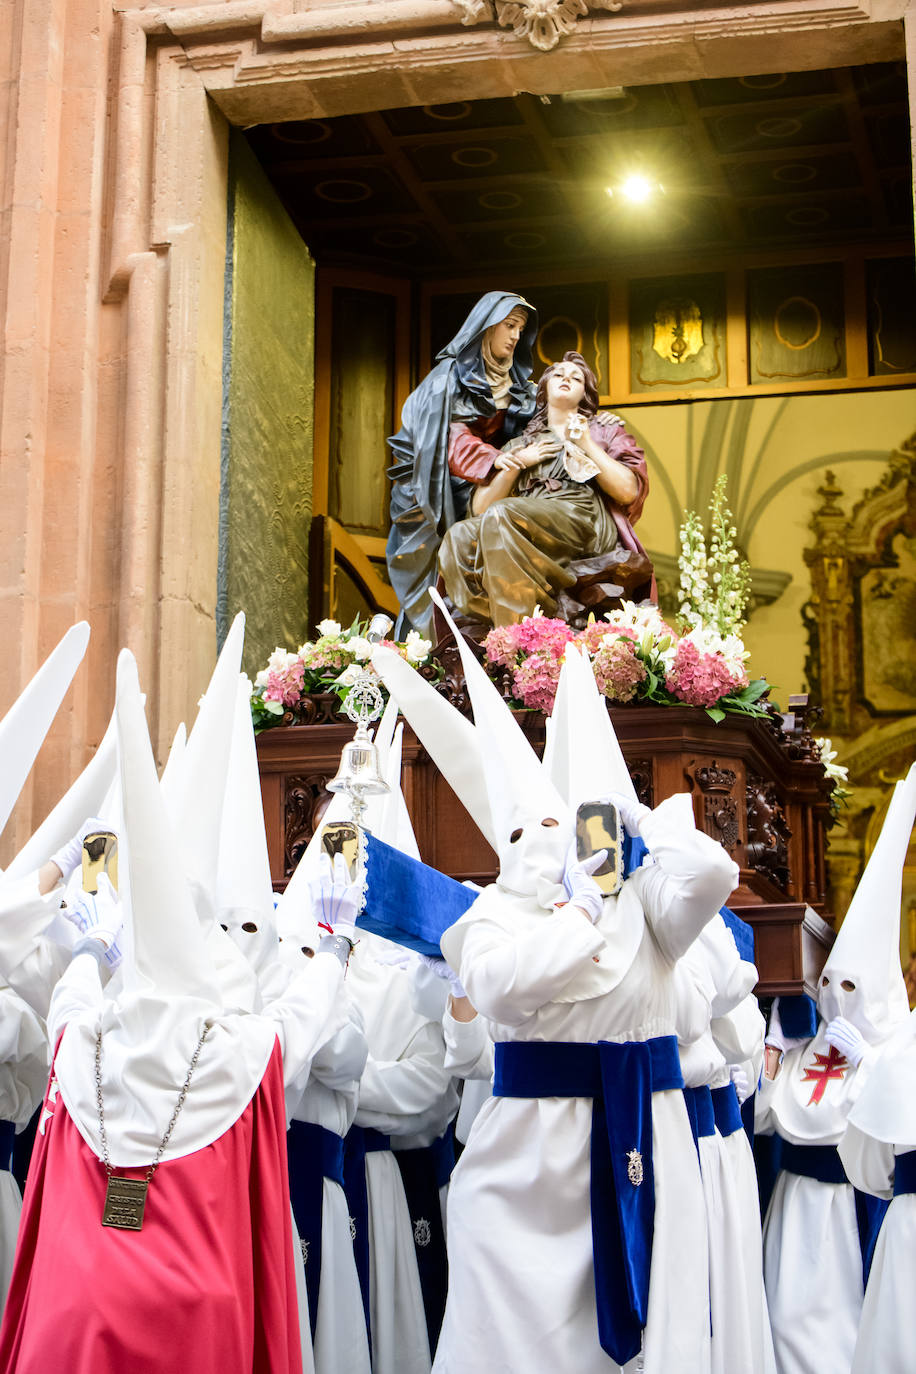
point(891, 287)
point(887, 615)
point(796, 323)
point(677, 332)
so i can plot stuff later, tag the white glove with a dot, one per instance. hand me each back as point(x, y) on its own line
point(335, 899)
point(70, 855)
point(98, 916)
point(844, 1036)
point(581, 889)
point(632, 812)
point(741, 1081)
point(443, 970)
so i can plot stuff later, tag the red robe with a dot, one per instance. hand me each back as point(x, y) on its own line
point(206, 1286)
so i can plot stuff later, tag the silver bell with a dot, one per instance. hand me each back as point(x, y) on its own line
point(359, 773)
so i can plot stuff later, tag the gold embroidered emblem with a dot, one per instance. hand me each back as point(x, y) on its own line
point(634, 1168)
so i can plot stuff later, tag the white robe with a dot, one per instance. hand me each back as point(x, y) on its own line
point(406, 1093)
point(24, 1061)
point(885, 1339)
point(521, 1279)
point(341, 1344)
point(812, 1254)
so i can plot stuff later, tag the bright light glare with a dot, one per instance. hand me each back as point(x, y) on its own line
point(637, 188)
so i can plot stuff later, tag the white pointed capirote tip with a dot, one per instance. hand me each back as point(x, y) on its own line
point(169, 955)
point(447, 736)
point(584, 759)
point(27, 722)
point(169, 780)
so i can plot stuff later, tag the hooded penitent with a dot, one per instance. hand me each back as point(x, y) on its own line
point(424, 499)
point(197, 808)
point(244, 893)
point(23, 728)
point(862, 979)
point(169, 990)
point(532, 825)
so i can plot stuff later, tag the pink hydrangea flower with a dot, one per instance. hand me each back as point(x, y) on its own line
point(538, 634)
point(285, 684)
point(535, 680)
point(501, 645)
point(701, 679)
point(326, 654)
point(618, 672)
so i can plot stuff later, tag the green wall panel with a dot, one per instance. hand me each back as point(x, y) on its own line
point(266, 495)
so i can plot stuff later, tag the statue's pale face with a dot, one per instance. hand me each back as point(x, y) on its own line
point(566, 386)
point(504, 336)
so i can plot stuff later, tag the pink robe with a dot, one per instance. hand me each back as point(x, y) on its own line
point(207, 1285)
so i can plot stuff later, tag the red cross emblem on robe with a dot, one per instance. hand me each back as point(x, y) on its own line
point(832, 1065)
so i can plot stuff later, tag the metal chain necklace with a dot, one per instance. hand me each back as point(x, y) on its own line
point(125, 1198)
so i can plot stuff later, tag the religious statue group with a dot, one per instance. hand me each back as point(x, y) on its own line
point(506, 491)
point(388, 1124)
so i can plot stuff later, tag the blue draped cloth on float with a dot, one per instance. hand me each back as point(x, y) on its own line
point(407, 901)
point(620, 1079)
point(823, 1163)
point(314, 1154)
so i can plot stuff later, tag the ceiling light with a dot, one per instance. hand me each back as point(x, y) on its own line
point(636, 188)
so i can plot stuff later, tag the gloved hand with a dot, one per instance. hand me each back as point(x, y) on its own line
point(632, 812)
point(776, 1036)
point(98, 916)
point(335, 899)
point(844, 1036)
point(443, 970)
point(70, 855)
point(741, 1081)
point(582, 890)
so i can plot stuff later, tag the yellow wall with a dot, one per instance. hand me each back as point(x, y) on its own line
point(775, 451)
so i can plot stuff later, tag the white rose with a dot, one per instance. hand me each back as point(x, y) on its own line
point(417, 647)
point(360, 648)
point(328, 629)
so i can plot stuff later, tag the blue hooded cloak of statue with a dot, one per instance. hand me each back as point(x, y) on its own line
point(425, 497)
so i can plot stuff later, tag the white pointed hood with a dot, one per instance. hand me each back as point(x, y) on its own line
point(171, 773)
point(583, 757)
point(447, 736)
point(23, 728)
point(533, 825)
point(168, 992)
point(886, 1108)
point(866, 953)
point(245, 901)
point(87, 796)
point(197, 809)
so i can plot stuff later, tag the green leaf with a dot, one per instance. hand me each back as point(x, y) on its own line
point(715, 713)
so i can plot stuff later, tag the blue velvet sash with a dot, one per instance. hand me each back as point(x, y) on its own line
point(359, 1142)
point(421, 1172)
point(315, 1154)
point(727, 1110)
point(905, 1173)
point(700, 1112)
point(7, 1141)
point(620, 1079)
point(823, 1163)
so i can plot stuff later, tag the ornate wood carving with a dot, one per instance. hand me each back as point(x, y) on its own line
point(643, 780)
point(720, 805)
point(768, 832)
point(306, 796)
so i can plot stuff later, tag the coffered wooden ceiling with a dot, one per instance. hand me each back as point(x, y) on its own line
point(809, 159)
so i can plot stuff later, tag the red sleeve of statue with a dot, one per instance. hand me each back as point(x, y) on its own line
point(469, 454)
point(617, 443)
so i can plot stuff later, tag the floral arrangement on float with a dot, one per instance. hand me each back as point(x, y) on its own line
point(329, 664)
point(636, 655)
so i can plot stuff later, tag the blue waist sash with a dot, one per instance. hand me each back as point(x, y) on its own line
point(7, 1141)
point(315, 1154)
point(727, 1109)
point(823, 1163)
point(359, 1142)
point(620, 1080)
point(905, 1173)
point(700, 1112)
